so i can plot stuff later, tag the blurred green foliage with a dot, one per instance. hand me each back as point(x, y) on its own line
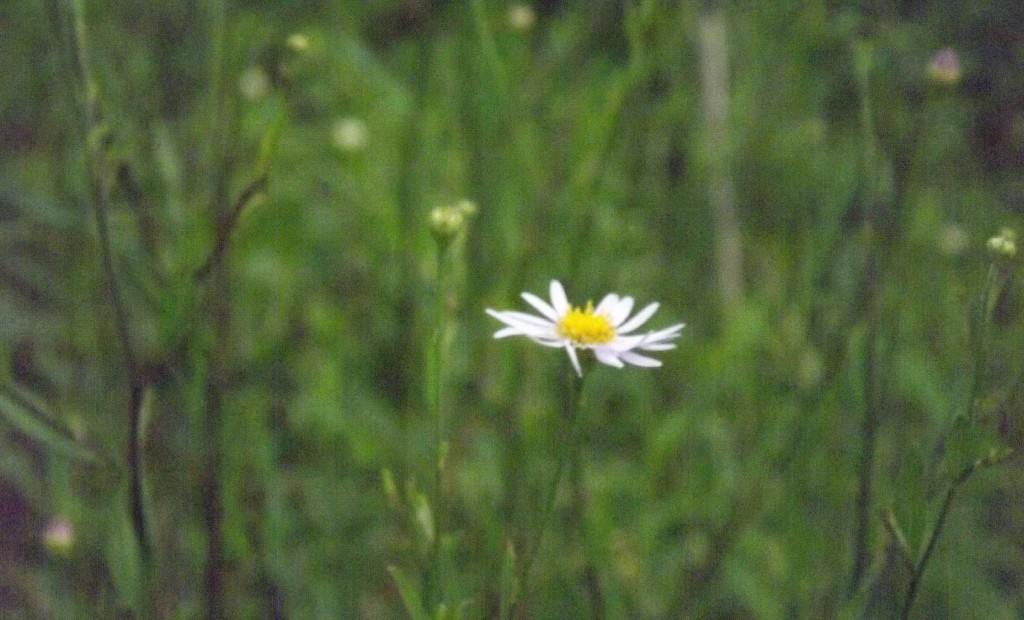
point(267, 171)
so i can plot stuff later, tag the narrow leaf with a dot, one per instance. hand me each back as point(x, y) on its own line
point(124, 560)
point(509, 582)
point(31, 417)
point(410, 594)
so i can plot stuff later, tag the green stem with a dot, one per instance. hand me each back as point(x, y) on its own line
point(869, 426)
point(566, 451)
point(436, 366)
point(933, 538)
point(591, 581)
point(435, 381)
point(982, 326)
point(219, 319)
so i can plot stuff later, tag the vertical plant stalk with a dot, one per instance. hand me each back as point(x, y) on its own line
point(869, 426)
point(714, 57)
point(100, 200)
point(566, 450)
point(213, 507)
point(982, 329)
point(219, 320)
point(436, 380)
point(869, 430)
point(434, 580)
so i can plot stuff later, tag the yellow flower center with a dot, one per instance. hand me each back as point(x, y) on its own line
point(584, 327)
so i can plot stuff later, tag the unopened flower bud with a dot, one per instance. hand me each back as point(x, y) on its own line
point(448, 221)
point(254, 83)
point(349, 134)
point(468, 207)
point(521, 17)
point(298, 43)
point(1004, 244)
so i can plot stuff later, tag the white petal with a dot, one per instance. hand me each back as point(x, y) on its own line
point(541, 306)
point(511, 317)
point(558, 299)
point(609, 357)
point(621, 311)
point(525, 328)
point(665, 334)
point(656, 347)
point(505, 332)
point(622, 343)
point(548, 341)
point(530, 329)
point(607, 304)
point(638, 320)
point(572, 358)
point(639, 360)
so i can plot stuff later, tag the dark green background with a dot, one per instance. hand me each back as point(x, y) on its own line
point(277, 386)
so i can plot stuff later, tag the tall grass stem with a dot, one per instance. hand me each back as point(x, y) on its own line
point(219, 317)
point(435, 387)
point(869, 426)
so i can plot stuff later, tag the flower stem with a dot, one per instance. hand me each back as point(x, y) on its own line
point(436, 378)
point(433, 581)
point(933, 539)
point(567, 450)
point(982, 329)
point(981, 332)
point(219, 320)
point(591, 581)
point(863, 61)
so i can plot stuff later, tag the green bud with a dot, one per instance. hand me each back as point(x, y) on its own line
point(448, 221)
point(1004, 244)
point(521, 17)
point(298, 43)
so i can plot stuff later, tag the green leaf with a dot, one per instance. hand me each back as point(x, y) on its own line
point(967, 442)
point(124, 559)
point(509, 582)
point(410, 594)
point(910, 497)
point(29, 416)
point(424, 518)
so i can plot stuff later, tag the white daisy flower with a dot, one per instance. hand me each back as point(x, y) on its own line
point(604, 330)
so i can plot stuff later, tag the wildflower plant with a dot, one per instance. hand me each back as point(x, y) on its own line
point(606, 329)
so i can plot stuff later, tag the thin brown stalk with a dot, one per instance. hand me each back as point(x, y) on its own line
point(99, 184)
point(714, 56)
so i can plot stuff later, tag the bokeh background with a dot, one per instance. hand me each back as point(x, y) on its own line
point(220, 302)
